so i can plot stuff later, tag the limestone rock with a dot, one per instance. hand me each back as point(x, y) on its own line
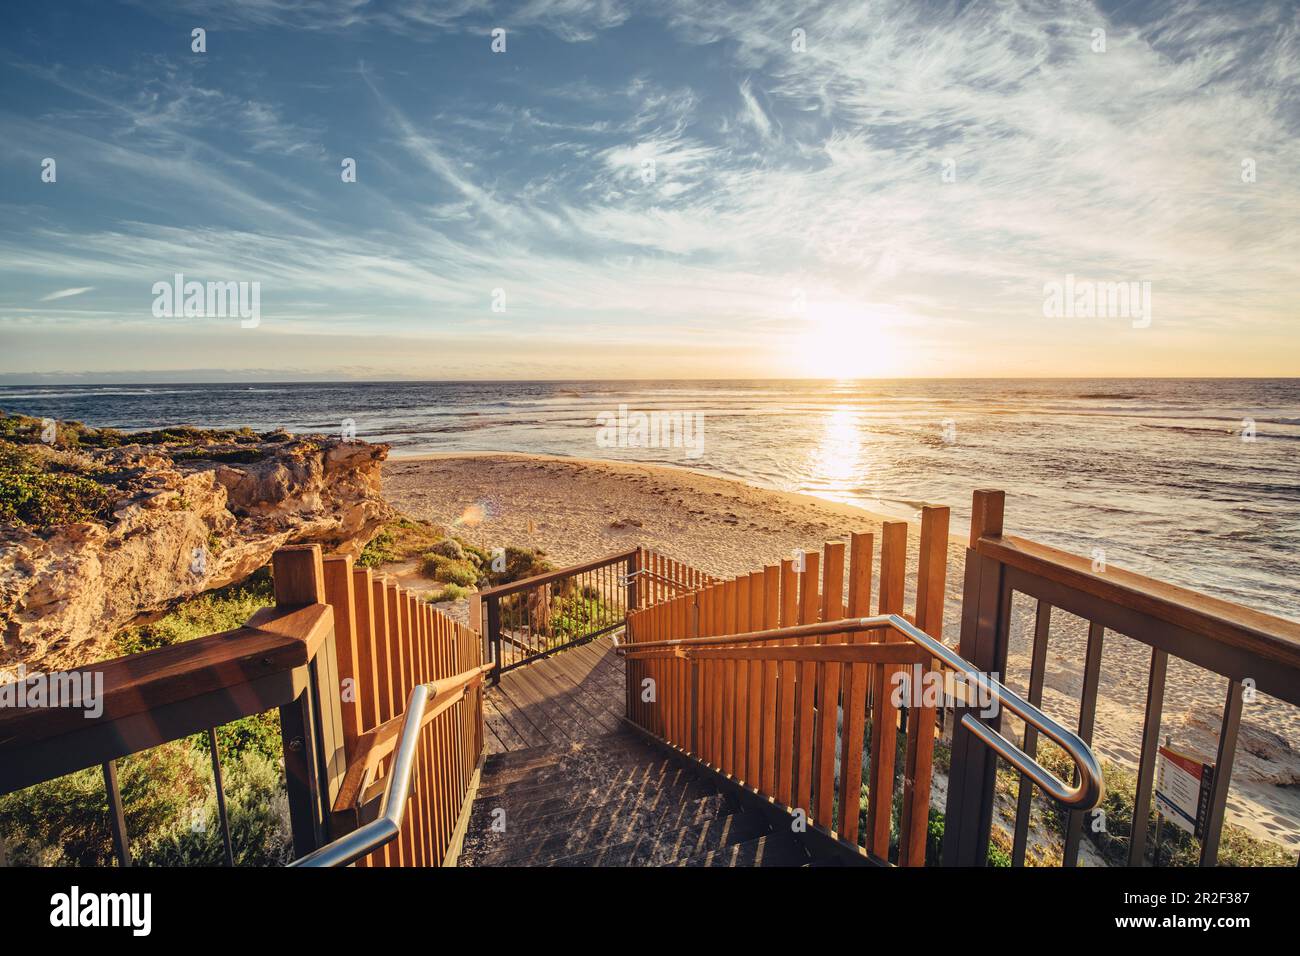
point(193, 520)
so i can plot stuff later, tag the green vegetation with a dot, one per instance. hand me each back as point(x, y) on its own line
point(24, 429)
point(578, 613)
point(399, 540)
point(231, 456)
point(65, 821)
point(449, 592)
point(258, 811)
point(167, 792)
point(169, 802)
point(42, 489)
point(210, 613)
point(459, 565)
point(1237, 846)
point(519, 563)
point(449, 570)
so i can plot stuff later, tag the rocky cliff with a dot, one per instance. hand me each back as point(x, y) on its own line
point(166, 520)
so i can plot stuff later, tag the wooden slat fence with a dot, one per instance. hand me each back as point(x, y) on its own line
point(789, 721)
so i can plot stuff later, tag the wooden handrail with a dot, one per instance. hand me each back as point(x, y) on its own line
point(897, 653)
point(159, 695)
point(1254, 631)
point(503, 590)
point(377, 743)
point(848, 625)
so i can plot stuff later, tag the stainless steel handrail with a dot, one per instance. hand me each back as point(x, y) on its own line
point(383, 829)
point(1084, 795)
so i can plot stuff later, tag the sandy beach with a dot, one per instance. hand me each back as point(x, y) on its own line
point(577, 509)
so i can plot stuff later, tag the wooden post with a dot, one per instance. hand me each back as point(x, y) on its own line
point(633, 566)
point(299, 582)
point(884, 715)
point(492, 641)
point(968, 814)
point(932, 566)
point(339, 595)
point(367, 673)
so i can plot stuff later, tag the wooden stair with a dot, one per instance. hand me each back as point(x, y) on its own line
point(615, 800)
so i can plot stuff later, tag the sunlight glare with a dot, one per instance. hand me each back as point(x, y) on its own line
point(843, 340)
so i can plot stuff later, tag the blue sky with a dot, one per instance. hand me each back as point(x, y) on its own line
point(797, 223)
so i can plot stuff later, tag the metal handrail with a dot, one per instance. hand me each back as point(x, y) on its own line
point(383, 829)
point(1084, 795)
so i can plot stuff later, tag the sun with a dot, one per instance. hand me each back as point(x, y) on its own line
point(845, 340)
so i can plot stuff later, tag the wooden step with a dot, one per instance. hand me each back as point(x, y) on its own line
point(558, 797)
point(603, 743)
point(581, 768)
point(776, 849)
point(669, 847)
point(575, 831)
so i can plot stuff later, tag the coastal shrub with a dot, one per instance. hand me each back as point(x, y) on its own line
point(449, 548)
point(448, 570)
point(222, 609)
point(65, 821)
point(399, 540)
point(257, 809)
point(519, 563)
point(257, 734)
point(577, 614)
point(230, 456)
point(473, 553)
point(26, 429)
point(448, 592)
point(1237, 845)
point(42, 490)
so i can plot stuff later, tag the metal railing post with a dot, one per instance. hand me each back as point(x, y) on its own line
point(116, 818)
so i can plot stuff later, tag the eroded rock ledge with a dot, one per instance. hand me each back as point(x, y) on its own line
point(191, 518)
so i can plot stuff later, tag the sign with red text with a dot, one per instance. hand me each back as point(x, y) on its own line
point(1183, 787)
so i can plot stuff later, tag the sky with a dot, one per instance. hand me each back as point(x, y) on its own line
point(675, 189)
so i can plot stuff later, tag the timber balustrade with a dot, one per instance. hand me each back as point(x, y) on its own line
point(341, 655)
point(760, 716)
point(788, 719)
point(772, 679)
point(1236, 643)
point(537, 616)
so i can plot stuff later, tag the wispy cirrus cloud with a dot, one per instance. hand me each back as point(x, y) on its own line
point(66, 293)
point(689, 174)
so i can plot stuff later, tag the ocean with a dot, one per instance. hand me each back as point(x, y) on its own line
point(1195, 481)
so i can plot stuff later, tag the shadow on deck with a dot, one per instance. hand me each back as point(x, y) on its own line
point(573, 695)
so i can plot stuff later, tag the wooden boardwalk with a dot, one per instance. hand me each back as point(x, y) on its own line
point(572, 695)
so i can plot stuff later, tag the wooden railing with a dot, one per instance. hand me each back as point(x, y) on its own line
point(339, 655)
point(757, 725)
point(536, 616)
point(1236, 643)
point(389, 642)
point(761, 717)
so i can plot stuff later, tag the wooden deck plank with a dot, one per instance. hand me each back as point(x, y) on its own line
point(571, 695)
point(600, 699)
